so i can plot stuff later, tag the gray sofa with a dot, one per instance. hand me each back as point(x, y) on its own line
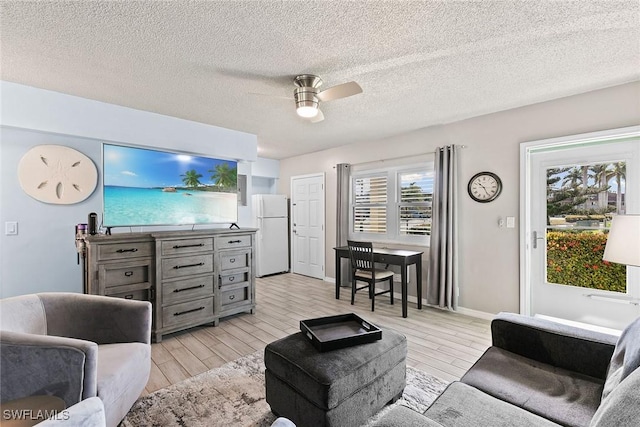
point(75, 346)
point(541, 373)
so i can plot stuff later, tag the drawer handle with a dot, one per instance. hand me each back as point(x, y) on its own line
point(128, 273)
point(235, 241)
point(232, 296)
point(189, 288)
point(177, 267)
point(121, 251)
point(180, 313)
point(232, 278)
point(130, 296)
point(232, 260)
point(187, 246)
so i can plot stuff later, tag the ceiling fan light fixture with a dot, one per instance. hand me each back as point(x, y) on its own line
point(307, 111)
point(307, 95)
point(306, 101)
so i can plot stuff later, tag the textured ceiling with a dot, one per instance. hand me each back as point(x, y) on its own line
point(230, 63)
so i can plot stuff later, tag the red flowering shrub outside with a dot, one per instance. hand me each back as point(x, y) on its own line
point(575, 258)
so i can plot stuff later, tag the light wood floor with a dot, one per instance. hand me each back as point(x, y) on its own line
point(441, 343)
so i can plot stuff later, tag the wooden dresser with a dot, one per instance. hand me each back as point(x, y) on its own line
point(190, 277)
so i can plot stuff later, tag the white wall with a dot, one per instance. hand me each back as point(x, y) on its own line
point(42, 256)
point(261, 185)
point(44, 110)
point(266, 168)
point(265, 173)
point(488, 254)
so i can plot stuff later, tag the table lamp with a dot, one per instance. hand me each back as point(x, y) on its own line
point(623, 241)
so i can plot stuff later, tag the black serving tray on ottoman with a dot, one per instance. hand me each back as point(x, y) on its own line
point(343, 330)
point(340, 388)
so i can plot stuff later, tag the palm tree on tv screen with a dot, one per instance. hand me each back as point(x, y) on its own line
point(224, 176)
point(191, 178)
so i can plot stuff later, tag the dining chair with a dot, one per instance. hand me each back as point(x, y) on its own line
point(363, 269)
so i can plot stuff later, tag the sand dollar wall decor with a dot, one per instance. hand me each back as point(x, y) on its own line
point(57, 174)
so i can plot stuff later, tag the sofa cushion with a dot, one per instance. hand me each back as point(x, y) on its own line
point(123, 372)
point(461, 405)
point(620, 408)
point(554, 343)
point(565, 397)
point(625, 359)
point(401, 416)
point(32, 364)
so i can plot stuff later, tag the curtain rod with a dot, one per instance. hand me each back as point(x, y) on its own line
point(395, 158)
point(386, 160)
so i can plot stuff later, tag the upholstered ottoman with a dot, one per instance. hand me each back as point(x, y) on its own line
point(339, 388)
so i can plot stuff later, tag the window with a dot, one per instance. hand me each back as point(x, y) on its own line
point(414, 207)
point(392, 204)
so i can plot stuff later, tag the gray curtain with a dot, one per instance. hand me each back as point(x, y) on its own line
point(442, 276)
point(342, 213)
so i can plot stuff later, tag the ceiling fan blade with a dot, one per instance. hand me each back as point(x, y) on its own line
point(317, 118)
point(340, 91)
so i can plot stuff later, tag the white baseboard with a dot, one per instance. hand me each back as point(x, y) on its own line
point(475, 313)
point(461, 310)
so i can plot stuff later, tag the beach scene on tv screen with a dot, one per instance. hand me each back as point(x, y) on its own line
point(150, 187)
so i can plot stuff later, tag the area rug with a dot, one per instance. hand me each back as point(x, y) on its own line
point(234, 395)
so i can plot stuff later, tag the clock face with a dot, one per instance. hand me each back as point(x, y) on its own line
point(484, 187)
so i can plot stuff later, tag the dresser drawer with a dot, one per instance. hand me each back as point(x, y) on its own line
point(187, 312)
point(234, 278)
point(234, 296)
point(125, 250)
point(186, 290)
point(234, 259)
point(228, 242)
point(140, 295)
point(125, 273)
point(185, 246)
point(187, 266)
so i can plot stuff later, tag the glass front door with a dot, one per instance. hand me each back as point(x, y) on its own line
point(574, 190)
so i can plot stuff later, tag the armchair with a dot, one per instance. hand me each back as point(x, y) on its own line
point(75, 346)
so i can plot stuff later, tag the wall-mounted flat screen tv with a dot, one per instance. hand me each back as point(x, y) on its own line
point(151, 187)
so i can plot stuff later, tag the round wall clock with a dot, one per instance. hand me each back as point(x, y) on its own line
point(57, 174)
point(484, 187)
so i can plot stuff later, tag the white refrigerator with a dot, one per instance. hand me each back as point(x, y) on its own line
point(270, 217)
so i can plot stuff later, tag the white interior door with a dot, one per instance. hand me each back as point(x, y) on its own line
point(571, 193)
point(307, 225)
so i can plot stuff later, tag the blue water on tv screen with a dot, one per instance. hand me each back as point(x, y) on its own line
point(152, 187)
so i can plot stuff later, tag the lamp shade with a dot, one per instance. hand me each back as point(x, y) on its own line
point(623, 241)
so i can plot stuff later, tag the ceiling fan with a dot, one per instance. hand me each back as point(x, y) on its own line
point(307, 95)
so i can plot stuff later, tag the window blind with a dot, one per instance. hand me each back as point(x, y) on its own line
point(370, 204)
